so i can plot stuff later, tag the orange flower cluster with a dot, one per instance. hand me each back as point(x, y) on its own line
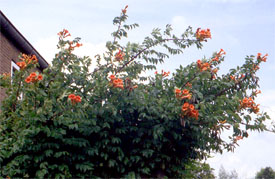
point(249, 103)
point(25, 60)
point(183, 94)
point(119, 55)
point(189, 110)
point(263, 58)
point(238, 138)
point(203, 66)
point(222, 122)
point(237, 79)
point(232, 77)
point(203, 34)
point(6, 75)
point(188, 85)
point(116, 82)
point(219, 54)
point(74, 99)
point(125, 9)
point(33, 77)
point(71, 47)
point(163, 73)
point(257, 92)
point(63, 34)
point(255, 67)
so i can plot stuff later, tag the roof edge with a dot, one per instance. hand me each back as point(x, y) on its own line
point(10, 30)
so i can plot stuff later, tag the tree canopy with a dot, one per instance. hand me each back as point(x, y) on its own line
point(265, 173)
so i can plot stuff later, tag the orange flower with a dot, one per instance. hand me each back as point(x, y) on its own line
point(203, 66)
point(238, 138)
point(6, 75)
point(191, 107)
point(203, 34)
point(163, 73)
point(188, 85)
point(184, 94)
point(177, 91)
point(232, 77)
point(222, 122)
point(249, 103)
point(215, 70)
point(71, 96)
point(185, 107)
point(71, 47)
point(125, 9)
point(25, 60)
point(199, 63)
point(34, 59)
point(63, 34)
point(188, 96)
point(112, 77)
point(28, 80)
point(189, 110)
point(134, 87)
point(116, 82)
point(258, 92)
point(194, 113)
point(33, 74)
point(219, 54)
point(119, 55)
point(78, 99)
point(22, 65)
point(40, 77)
point(255, 67)
point(263, 58)
point(74, 99)
point(33, 77)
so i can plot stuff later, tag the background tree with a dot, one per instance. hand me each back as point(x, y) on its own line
point(266, 173)
point(198, 170)
point(115, 122)
point(223, 174)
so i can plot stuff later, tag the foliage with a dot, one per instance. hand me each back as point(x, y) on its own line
point(114, 122)
point(198, 170)
point(265, 173)
point(223, 174)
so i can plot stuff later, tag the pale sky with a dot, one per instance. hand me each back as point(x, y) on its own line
point(240, 27)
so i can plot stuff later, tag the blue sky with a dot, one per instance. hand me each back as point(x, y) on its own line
point(240, 27)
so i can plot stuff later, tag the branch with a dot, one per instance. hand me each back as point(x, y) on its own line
point(143, 50)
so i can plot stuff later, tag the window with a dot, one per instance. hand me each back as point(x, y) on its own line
point(15, 68)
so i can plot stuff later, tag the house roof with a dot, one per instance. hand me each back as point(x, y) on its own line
point(19, 40)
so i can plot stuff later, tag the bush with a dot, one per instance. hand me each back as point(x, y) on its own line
point(114, 122)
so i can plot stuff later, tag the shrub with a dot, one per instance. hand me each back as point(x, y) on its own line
point(114, 122)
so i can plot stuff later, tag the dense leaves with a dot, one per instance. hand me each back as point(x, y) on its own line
point(265, 173)
point(101, 118)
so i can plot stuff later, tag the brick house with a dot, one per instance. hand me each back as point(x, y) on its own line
point(12, 43)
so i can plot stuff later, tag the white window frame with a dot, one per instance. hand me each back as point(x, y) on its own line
point(14, 67)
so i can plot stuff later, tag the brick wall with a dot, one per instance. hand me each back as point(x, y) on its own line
point(8, 52)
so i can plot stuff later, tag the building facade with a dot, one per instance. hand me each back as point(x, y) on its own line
point(12, 43)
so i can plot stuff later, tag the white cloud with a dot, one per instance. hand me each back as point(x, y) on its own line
point(47, 47)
